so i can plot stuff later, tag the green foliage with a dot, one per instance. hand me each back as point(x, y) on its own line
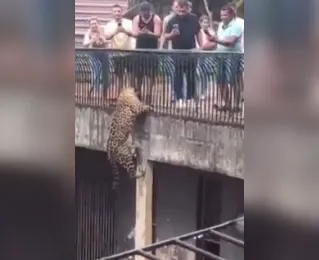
point(240, 7)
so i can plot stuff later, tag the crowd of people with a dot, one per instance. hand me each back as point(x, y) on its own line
point(180, 30)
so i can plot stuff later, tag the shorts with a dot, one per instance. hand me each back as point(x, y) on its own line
point(228, 68)
point(120, 64)
point(144, 64)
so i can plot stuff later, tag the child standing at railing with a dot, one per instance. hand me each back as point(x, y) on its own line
point(204, 67)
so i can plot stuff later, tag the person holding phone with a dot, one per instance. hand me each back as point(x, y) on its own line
point(147, 27)
point(119, 32)
point(229, 39)
point(95, 38)
point(163, 43)
point(183, 30)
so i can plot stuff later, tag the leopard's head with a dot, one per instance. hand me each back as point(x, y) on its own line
point(128, 97)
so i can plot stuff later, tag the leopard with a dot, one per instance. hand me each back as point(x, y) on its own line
point(121, 152)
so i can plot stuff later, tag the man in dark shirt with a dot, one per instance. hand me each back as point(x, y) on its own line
point(147, 28)
point(182, 30)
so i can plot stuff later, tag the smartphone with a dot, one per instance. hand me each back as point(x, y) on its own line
point(176, 26)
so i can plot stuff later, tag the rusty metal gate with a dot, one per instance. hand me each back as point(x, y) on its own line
point(95, 220)
point(96, 228)
point(99, 209)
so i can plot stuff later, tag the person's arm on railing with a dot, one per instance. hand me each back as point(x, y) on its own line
point(208, 46)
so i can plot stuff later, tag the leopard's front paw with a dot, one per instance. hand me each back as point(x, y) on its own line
point(139, 175)
point(150, 108)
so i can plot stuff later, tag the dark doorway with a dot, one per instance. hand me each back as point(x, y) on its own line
point(209, 211)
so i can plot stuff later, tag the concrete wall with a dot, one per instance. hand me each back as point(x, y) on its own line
point(170, 140)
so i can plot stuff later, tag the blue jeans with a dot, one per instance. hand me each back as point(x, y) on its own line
point(99, 66)
point(96, 76)
point(185, 64)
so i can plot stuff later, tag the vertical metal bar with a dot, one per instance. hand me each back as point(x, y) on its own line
point(96, 225)
point(79, 218)
point(107, 220)
point(88, 222)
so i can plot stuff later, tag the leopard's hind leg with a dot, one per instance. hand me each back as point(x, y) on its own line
point(128, 158)
point(115, 173)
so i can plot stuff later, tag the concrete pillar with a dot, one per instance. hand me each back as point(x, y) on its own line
point(144, 200)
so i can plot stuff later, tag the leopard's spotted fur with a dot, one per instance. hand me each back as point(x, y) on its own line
point(119, 150)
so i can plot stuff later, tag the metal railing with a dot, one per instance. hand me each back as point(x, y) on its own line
point(180, 241)
point(198, 85)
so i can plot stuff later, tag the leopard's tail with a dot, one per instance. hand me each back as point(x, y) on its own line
point(115, 174)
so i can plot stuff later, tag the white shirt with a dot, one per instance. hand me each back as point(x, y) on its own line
point(121, 40)
point(241, 22)
point(242, 25)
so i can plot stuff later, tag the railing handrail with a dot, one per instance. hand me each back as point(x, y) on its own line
point(159, 51)
point(97, 83)
point(173, 240)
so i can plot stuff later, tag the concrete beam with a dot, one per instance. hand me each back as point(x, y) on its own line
point(170, 140)
point(144, 201)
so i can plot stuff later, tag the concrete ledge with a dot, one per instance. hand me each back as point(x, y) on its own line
point(175, 141)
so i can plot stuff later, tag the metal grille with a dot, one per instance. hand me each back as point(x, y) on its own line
point(180, 241)
point(201, 86)
point(95, 219)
